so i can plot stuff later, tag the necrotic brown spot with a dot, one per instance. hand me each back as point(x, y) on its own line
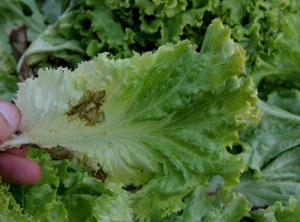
point(88, 109)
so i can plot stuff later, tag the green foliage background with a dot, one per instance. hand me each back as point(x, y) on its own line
point(63, 33)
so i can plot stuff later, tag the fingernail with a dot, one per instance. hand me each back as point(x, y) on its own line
point(9, 113)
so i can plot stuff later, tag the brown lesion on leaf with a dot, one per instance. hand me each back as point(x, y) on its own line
point(99, 175)
point(18, 133)
point(64, 153)
point(132, 188)
point(18, 40)
point(60, 154)
point(88, 109)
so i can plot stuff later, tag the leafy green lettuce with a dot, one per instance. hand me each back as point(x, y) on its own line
point(221, 205)
point(80, 29)
point(10, 210)
point(163, 121)
point(8, 82)
point(15, 13)
point(278, 212)
point(115, 207)
point(65, 192)
point(272, 153)
point(19, 12)
point(39, 201)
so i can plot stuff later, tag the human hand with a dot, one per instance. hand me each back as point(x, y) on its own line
point(14, 167)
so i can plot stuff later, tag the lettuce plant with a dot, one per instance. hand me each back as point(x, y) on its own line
point(172, 120)
point(163, 121)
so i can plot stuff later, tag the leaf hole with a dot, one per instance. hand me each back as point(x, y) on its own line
point(26, 9)
point(245, 21)
point(214, 182)
point(235, 150)
point(53, 187)
point(132, 187)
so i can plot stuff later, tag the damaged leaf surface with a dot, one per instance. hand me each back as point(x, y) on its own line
point(161, 119)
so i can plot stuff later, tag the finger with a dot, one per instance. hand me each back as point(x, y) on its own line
point(16, 169)
point(22, 152)
point(10, 118)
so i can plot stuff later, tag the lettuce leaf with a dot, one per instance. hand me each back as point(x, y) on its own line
point(65, 192)
point(115, 207)
point(278, 212)
point(286, 99)
point(279, 71)
point(78, 191)
point(161, 120)
point(219, 205)
point(268, 31)
point(39, 201)
point(279, 180)
point(19, 12)
point(274, 134)
point(9, 208)
point(8, 82)
point(272, 152)
point(56, 45)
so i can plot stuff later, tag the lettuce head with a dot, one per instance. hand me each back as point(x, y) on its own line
point(163, 122)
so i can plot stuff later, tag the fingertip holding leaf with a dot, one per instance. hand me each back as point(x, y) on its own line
point(17, 169)
point(22, 152)
point(10, 119)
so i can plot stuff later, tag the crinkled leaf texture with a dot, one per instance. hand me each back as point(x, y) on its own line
point(163, 119)
point(276, 133)
point(115, 207)
point(8, 82)
point(65, 192)
point(272, 158)
point(9, 209)
point(279, 180)
point(288, 100)
point(204, 206)
point(278, 212)
point(36, 202)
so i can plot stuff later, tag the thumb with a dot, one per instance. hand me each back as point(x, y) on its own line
point(10, 118)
